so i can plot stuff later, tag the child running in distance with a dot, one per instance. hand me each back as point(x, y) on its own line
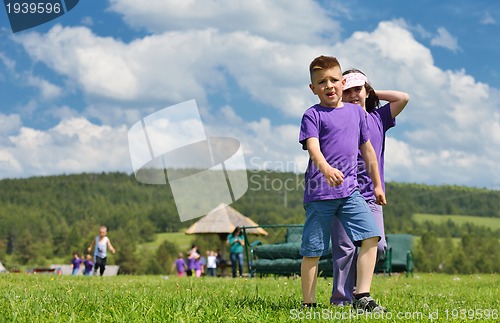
point(101, 243)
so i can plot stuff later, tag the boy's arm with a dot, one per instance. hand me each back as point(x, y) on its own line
point(371, 165)
point(396, 99)
point(333, 176)
point(110, 246)
point(91, 245)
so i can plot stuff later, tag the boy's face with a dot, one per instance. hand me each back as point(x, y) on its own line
point(102, 232)
point(327, 85)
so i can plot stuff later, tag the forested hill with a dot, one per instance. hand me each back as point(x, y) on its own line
point(117, 198)
point(47, 217)
point(62, 212)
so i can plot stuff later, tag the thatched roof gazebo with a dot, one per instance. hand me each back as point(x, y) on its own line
point(223, 220)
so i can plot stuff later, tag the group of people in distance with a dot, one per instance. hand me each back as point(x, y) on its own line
point(98, 262)
point(195, 264)
point(344, 135)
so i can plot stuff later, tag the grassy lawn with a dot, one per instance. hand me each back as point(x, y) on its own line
point(423, 298)
point(493, 223)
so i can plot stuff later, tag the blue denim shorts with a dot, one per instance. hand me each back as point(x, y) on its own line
point(352, 211)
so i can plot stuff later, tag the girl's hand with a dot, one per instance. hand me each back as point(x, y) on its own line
point(380, 196)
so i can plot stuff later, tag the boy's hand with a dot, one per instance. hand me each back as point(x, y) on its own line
point(333, 176)
point(380, 196)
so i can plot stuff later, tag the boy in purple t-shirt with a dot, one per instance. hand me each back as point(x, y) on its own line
point(332, 132)
point(76, 262)
point(89, 265)
point(358, 91)
point(180, 265)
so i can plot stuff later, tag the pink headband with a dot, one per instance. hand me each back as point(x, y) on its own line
point(353, 80)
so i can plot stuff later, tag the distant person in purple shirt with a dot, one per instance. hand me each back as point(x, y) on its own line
point(198, 266)
point(76, 262)
point(191, 258)
point(89, 264)
point(180, 265)
point(358, 91)
point(333, 132)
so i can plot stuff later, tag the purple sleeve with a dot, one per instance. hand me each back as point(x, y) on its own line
point(364, 136)
point(308, 127)
point(386, 117)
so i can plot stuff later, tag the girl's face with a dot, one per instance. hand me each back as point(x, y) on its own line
point(355, 95)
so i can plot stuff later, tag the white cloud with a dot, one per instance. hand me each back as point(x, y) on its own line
point(487, 19)
point(9, 63)
point(88, 21)
point(266, 146)
point(97, 64)
point(8, 164)
point(9, 124)
point(174, 67)
point(445, 39)
point(421, 31)
point(282, 20)
point(48, 90)
point(73, 146)
point(447, 131)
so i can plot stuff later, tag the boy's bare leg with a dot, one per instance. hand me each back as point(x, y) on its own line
point(308, 275)
point(366, 265)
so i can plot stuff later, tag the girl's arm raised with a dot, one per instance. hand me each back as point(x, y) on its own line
point(396, 99)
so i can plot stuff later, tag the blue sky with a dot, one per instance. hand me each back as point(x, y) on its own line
point(71, 88)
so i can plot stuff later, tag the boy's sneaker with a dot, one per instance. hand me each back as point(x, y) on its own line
point(308, 305)
point(367, 304)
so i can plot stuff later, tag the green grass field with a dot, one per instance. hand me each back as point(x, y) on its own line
point(493, 223)
point(422, 298)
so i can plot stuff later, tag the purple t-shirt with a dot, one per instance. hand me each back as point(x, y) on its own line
point(190, 263)
point(88, 265)
point(198, 264)
point(76, 262)
point(379, 121)
point(180, 264)
point(340, 132)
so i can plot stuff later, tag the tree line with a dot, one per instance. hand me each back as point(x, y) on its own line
point(46, 218)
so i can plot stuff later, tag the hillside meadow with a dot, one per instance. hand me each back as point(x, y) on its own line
point(421, 298)
point(488, 222)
